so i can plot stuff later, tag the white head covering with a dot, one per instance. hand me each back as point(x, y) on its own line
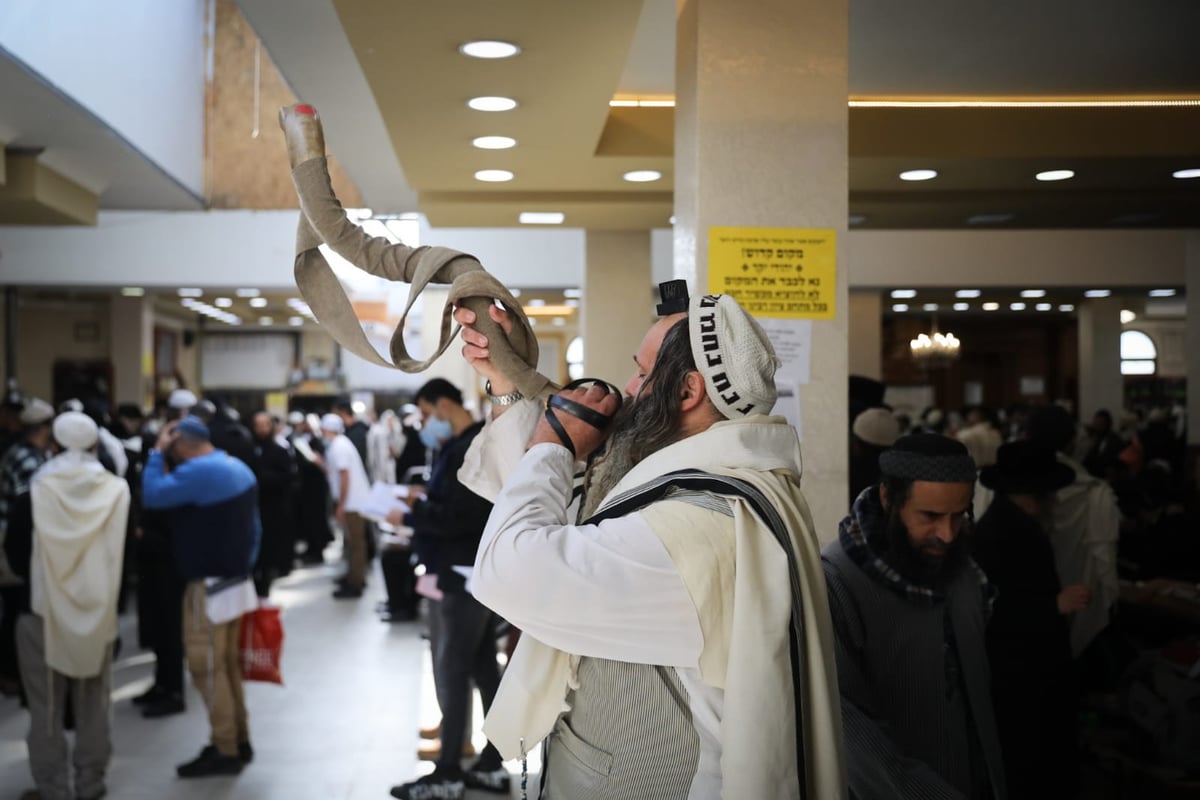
point(295, 418)
point(333, 423)
point(877, 426)
point(36, 412)
point(181, 398)
point(75, 431)
point(734, 355)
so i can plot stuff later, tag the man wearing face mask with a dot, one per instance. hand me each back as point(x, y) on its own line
point(449, 522)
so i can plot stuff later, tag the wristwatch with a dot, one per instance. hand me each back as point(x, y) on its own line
point(502, 399)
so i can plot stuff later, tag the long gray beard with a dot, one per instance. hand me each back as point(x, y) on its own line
point(606, 472)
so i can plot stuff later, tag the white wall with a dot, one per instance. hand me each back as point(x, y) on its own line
point(543, 258)
point(138, 65)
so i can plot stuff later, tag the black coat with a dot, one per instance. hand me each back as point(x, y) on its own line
point(275, 468)
point(1029, 650)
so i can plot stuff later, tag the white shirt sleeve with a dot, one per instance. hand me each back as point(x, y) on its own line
point(605, 591)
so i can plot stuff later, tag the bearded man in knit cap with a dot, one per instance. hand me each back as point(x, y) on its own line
point(65, 645)
point(909, 611)
point(676, 638)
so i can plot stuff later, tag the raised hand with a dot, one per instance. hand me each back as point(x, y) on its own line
point(475, 346)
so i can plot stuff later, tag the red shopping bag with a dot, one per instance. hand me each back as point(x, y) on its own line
point(262, 645)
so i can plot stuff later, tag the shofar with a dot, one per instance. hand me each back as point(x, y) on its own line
point(324, 221)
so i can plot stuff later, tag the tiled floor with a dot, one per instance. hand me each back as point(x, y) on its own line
point(344, 727)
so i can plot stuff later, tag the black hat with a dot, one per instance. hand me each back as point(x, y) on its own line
point(928, 457)
point(1026, 467)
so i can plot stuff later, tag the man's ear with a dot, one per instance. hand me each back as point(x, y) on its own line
point(694, 391)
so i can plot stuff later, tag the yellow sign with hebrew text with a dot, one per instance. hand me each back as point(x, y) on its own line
point(780, 273)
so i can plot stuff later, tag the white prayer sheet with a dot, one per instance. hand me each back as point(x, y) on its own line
point(382, 501)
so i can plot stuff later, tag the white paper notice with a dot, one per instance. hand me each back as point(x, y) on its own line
point(792, 340)
point(383, 500)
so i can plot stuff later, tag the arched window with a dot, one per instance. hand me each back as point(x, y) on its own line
point(1138, 353)
point(575, 358)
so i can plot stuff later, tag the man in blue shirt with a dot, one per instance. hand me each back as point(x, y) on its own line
point(215, 535)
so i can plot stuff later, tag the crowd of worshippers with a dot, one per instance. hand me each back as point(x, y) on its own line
point(682, 634)
point(187, 516)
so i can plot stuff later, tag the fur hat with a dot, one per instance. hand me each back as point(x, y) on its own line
point(734, 355)
point(877, 426)
point(75, 430)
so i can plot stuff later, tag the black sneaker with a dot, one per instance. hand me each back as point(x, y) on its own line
point(245, 752)
point(347, 593)
point(167, 705)
point(497, 780)
point(441, 784)
point(210, 762)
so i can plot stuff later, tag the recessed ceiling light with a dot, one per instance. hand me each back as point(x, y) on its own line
point(188, 302)
point(493, 175)
point(541, 217)
point(857, 219)
point(492, 103)
point(1186, 173)
point(1127, 316)
point(1017, 306)
point(642, 175)
point(572, 293)
point(1033, 293)
point(1066, 307)
point(961, 306)
point(247, 292)
point(967, 293)
point(991, 306)
point(900, 307)
point(536, 302)
point(988, 219)
point(918, 174)
point(559, 322)
point(223, 302)
point(1162, 292)
point(133, 291)
point(258, 302)
point(191, 292)
point(904, 294)
point(930, 306)
point(572, 303)
point(494, 142)
point(295, 322)
point(1055, 175)
point(265, 321)
point(489, 49)
point(1044, 306)
point(1097, 293)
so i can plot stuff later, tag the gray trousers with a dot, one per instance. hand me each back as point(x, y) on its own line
point(91, 701)
point(464, 651)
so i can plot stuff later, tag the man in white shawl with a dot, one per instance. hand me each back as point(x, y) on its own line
point(79, 516)
point(676, 635)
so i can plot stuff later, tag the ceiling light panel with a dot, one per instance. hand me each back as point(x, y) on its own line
point(918, 175)
point(489, 49)
point(642, 175)
point(492, 103)
point(248, 292)
point(961, 306)
point(1033, 293)
point(991, 306)
point(1162, 292)
point(1184, 174)
point(494, 175)
point(1097, 293)
point(904, 294)
point(1055, 175)
point(967, 293)
point(900, 307)
point(541, 218)
point(494, 142)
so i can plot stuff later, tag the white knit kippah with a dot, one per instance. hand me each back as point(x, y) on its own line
point(75, 431)
point(333, 423)
point(181, 398)
point(734, 355)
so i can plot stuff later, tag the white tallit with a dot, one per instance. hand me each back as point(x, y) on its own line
point(758, 736)
point(79, 517)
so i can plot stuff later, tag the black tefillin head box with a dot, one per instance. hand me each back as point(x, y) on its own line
point(674, 296)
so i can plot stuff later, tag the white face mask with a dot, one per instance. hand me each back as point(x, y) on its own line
point(435, 431)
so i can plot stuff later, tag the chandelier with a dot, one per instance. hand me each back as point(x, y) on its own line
point(934, 349)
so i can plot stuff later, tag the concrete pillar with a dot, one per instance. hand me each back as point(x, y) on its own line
point(1100, 381)
point(618, 302)
point(131, 349)
point(865, 311)
point(761, 140)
